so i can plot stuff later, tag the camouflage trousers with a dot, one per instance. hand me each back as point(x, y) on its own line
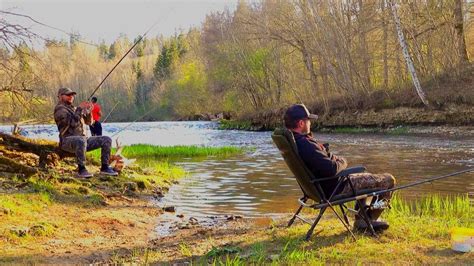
point(368, 181)
point(80, 144)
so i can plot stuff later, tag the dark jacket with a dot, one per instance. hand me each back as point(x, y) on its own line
point(319, 160)
point(70, 120)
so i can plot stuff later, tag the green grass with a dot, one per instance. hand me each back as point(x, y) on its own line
point(19, 204)
point(157, 152)
point(157, 174)
point(448, 209)
point(233, 124)
point(418, 234)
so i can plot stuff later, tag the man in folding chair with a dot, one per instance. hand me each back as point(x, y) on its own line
point(322, 164)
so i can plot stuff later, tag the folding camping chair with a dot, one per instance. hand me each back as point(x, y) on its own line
point(311, 187)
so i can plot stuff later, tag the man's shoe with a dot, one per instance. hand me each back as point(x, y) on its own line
point(108, 171)
point(83, 173)
point(361, 225)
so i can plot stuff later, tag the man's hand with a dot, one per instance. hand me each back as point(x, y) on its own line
point(86, 106)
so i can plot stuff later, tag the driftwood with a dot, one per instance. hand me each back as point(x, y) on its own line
point(9, 165)
point(48, 151)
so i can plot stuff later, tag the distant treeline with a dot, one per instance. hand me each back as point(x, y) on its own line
point(261, 56)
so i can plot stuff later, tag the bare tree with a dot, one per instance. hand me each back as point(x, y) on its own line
point(459, 26)
point(406, 54)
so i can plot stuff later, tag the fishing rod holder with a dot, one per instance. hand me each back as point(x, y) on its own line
point(380, 204)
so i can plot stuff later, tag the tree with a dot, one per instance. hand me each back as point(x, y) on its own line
point(406, 54)
point(170, 53)
point(459, 27)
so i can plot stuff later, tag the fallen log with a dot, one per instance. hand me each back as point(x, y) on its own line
point(48, 151)
point(9, 165)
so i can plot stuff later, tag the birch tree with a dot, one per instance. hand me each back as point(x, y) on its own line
point(406, 54)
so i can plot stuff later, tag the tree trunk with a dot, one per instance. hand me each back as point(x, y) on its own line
point(406, 54)
point(385, 47)
point(364, 48)
point(459, 27)
point(308, 62)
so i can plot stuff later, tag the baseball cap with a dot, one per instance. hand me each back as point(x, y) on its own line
point(65, 91)
point(299, 111)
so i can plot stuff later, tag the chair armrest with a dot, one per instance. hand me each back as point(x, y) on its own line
point(345, 172)
point(324, 179)
point(351, 170)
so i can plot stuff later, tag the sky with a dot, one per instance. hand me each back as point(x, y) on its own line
point(106, 19)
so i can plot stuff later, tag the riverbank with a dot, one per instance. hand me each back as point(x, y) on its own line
point(55, 218)
point(419, 234)
point(455, 120)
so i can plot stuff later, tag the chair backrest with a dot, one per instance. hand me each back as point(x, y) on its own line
point(284, 140)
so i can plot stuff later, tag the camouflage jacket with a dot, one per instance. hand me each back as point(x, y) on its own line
point(70, 120)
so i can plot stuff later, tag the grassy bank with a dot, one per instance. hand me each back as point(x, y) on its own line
point(384, 119)
point(235, 124)
point(400, 130)
point(26, 203)
point(158, 152)
point(419, 234)
point(359, 129)
point(80, 214)
point(54, 217)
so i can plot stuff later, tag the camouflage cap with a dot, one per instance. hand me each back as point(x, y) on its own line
point(65, 91)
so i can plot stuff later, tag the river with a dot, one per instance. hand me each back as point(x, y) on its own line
point(258, 183)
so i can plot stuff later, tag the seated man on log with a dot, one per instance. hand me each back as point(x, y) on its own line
point(70, 121)
point(322, 164)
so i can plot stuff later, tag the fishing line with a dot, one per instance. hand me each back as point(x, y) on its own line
point(113, 108)
point(131, 123)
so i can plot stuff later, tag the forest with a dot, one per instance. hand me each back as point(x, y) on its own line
point(260, 57)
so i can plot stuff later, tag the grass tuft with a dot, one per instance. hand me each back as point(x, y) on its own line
point(233, 124)
point(154, 151)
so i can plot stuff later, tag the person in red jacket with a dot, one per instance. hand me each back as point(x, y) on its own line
point(323, 163)
point(96, 126)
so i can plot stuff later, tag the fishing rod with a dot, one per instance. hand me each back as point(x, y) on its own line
point(376, 193)
point(123, 57)
point(113, 108)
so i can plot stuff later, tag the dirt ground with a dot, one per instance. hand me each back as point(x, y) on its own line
point(114, 233)
point(86, 235)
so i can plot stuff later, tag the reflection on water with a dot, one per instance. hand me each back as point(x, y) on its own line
point(258, 183)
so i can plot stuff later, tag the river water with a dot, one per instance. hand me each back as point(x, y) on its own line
point(258, 183)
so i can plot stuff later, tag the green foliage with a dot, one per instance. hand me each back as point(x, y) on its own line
point(112, 51)
point(103, 51)
point(185, 249)
point(188, 91)
point(171, 51)
point(233, 124)
point(220, 251)
point(229, 64)
point(140, 47)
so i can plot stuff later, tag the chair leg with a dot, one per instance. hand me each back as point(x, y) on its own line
point(292, 220)
point(347, 226)
point(344, 213)
point(365, 217)
point(310, 231)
